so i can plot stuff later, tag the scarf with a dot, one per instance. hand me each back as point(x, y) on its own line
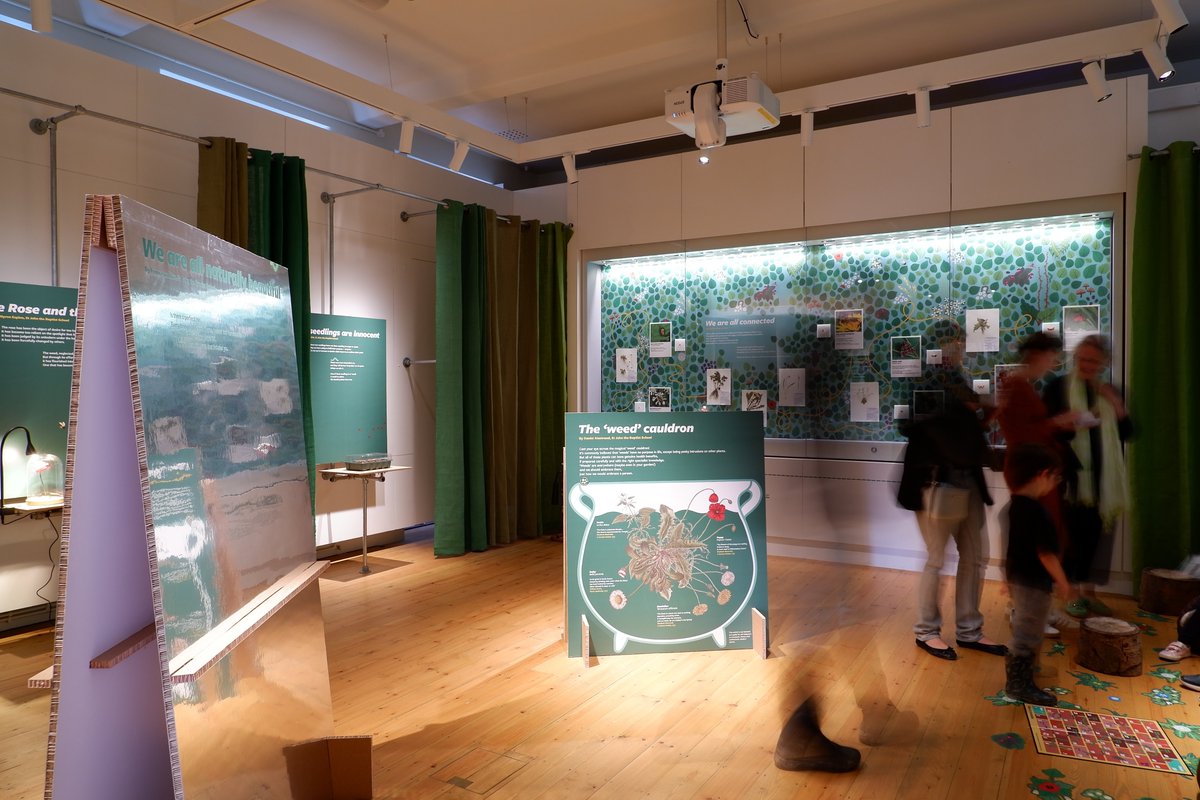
point(1112, 500)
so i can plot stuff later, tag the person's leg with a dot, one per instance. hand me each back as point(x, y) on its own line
point(1029, 620)
point(971, 541)
point(929, 614)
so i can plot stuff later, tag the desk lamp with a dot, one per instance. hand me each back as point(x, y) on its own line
point(43, 475)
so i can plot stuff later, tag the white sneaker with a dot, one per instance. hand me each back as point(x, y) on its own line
point(1049, 631)
point(1175, 651)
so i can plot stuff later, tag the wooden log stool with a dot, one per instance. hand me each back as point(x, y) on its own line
point(1111, 646)
point(1167, 591)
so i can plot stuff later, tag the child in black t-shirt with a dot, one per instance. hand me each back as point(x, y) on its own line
point(1031, 566)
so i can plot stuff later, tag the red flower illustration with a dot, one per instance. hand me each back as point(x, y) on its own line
point(716, 511)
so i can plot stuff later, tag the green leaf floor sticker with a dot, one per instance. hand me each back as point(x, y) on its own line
point(1050, 786)
point(1010, 740)
point(1091, 681)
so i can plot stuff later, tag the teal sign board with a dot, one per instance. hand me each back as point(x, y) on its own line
point(37, 350)
point(348, 365)
point(666, 531)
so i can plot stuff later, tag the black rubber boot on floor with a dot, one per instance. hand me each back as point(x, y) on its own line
point(802, 746)
point(1019, 684)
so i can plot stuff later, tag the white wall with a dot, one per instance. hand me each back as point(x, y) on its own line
point(383, 266)
point(1052, 152)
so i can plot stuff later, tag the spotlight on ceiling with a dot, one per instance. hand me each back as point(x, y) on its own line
point(807, 120)
point(41, 16)
point(460, 154)
point(1156, 58)
point(703, 159)
point(923, 111)
point(407, 129)
point(1171, 15)
point(568, 162)
point(1093, 73)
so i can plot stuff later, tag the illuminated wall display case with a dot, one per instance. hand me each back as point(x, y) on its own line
point(838, 338)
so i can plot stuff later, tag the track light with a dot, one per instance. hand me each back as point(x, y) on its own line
point(1156, 58)
point(461, 149)
point(1093, 73)
point(407, 129)
point(923, 110)
point(41, 16)
point(1171, 15)
point(568, 161)
point(807, 119)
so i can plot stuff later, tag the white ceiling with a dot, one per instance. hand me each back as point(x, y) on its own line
point(529, 79)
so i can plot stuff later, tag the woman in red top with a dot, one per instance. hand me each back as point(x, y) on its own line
point(1023, 416)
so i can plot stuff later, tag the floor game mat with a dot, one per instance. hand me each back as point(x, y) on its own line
point(1089, 736)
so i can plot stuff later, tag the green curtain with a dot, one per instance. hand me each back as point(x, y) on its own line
point(222, 206)
point(278, 230)
point(552, 369)
point(460, 516)
point(1164, 361)
point(501, 378)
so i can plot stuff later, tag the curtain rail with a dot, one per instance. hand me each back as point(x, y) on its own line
point(1157, 153)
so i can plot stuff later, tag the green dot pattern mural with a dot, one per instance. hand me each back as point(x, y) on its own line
point(907, 284)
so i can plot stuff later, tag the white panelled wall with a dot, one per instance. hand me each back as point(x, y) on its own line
point(383, 266)
point(1049, 153)
point(1055, 151)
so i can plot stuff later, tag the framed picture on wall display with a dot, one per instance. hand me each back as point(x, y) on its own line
point(1079, 322)
point(719, 392)
point(864, 401)
point(848, 329)
point(660, 398)
point(791, 387)
point(626, 365)
point(660, 340)
point(906, 356)
point(983, 330)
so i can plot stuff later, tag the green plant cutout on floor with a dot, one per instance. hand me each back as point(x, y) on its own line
point(1058, 690)
point(1051, 786)
point(1183, 730)
point(1091, 681)
point(1114, 712)
point(1193, 762)
point(1001, 699)
point(1096, 794)
point(1057, 649)
point(1009, 741)
point(1070, 705)
point(1166, 674)
point(1147, 630)
point(1153, 616)
point(1164, 696)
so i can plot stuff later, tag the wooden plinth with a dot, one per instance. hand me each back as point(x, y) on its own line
point(1167, 591)
point(1111, 646)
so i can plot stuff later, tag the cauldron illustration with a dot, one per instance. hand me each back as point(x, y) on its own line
point(666, 562)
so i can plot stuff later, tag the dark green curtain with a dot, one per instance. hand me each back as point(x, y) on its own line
point(222, 206)
point(552, 369)
point(460, 515)
point(279, 231)
point(1164, 361)
point(501, 378)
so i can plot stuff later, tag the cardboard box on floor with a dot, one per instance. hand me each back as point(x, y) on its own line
point(335, 768)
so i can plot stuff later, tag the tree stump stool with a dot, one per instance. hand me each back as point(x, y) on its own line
point(1109, 645)
point(1167, 591)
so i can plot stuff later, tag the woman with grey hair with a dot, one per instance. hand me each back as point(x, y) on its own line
point(1094, 484)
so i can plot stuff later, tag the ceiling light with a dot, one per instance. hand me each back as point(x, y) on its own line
point(1172, 16)
point(41, 16)
point(460, 154)
point(923, 109)
point(703, 160)
point(1093, 73)
point(407, 129)
point(1156, 58)
point(568, 162)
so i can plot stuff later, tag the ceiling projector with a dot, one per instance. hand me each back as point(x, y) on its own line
point(712, 110)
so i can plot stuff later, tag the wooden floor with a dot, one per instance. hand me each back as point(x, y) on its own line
point(457, 669)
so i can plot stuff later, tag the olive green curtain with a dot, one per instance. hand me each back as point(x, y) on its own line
point(501, 378)
point(1164, 361)
point(222, 205)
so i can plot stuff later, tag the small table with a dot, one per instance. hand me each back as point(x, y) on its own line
point(366, 476)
